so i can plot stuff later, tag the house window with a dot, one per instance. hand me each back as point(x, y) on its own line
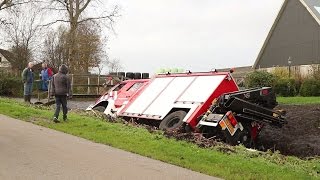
point(0, 59)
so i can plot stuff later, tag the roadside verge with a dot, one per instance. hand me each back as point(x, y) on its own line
point(241, 164)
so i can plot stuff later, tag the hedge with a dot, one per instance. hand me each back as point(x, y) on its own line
point(310, 87)
point(259, 79)
point(283, 86)
point(286, 87)
point(10, 86)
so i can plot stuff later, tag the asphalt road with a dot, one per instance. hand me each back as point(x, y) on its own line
point(32, 152)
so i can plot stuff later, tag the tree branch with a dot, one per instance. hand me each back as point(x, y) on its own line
point(110, 16)
point(84, 6)
point(56, 21)
point(56, 9)
point(4, 2)
point(95, 18)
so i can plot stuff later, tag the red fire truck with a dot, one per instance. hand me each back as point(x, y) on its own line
point(206, 101)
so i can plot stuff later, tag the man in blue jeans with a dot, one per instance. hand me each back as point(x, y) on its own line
point(27, 78)
point(61, 89)
point(46, 75)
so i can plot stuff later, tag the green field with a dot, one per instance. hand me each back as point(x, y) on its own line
point(241, 164)
point(298, 100)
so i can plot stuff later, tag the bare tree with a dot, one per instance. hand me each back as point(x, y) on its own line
point(8, 4)
point(5, 4)
point(114, 65)
point(90, 49)
point(21, 33)
point(54, 50)
point(75, 14)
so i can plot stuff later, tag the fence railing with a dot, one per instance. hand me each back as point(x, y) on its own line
point(82, 85)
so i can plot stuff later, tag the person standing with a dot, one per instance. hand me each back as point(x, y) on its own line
point(61, 89)
point(46, 75)
point(27, 78)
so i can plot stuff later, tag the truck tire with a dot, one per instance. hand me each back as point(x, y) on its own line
point(145, 75)
point(99, 108)
point(121, 74)
point(173, 120)
point(113, 74)
point(240, 137)
point(130, 75)
point(137, 75)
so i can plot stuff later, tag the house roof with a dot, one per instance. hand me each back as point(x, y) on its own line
point(7, 54)
point(313, 7)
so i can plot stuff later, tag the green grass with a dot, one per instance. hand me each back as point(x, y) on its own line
point(298, 100)
point(240, 165)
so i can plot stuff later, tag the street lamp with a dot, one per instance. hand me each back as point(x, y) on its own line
point(289, 64)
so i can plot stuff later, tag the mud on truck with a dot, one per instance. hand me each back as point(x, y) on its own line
point(206, 102)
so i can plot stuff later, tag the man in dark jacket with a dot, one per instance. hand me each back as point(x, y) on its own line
point(27, 78)
point(61, 89)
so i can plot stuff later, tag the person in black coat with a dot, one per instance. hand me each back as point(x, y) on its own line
point(61, 89)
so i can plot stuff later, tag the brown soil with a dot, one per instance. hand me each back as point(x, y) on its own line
point(300, 137)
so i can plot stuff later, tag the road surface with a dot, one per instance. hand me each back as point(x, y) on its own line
point(32, 152)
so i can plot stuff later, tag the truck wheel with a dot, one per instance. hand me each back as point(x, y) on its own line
point(173, 120)
point(121, 74)
point(99, 108)
point(130, 75)
point(145, 75)
point(241, 137)
point(137, 75)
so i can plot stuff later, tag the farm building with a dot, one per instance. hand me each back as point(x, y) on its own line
point(294, 39)
point(5, 60)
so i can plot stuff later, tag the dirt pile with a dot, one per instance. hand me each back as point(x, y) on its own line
point(300, 137)
point(199, 140)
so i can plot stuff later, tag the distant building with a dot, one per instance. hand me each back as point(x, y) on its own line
point(294, 38)
point(6, 58)
point(239, 73)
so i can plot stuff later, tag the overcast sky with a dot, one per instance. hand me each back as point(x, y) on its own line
point(196, 35)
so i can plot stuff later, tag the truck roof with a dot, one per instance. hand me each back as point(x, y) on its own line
point(192, 74)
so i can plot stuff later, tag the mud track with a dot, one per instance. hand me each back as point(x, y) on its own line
point(300, 137)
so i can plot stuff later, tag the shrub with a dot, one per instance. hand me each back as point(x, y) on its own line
point(310, 87)
point(10, 86)
point(280, 72)
point(259, 79)
point(315, 71)
point(286, 87)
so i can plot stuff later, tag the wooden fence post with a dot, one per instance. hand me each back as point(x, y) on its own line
point(72, 83)
point(98, 89)
point(49, 89)
point(88, 92)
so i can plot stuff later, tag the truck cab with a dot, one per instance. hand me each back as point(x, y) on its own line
point(117, 97)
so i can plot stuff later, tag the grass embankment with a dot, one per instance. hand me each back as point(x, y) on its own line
point(298, 100)
point(240, 165)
